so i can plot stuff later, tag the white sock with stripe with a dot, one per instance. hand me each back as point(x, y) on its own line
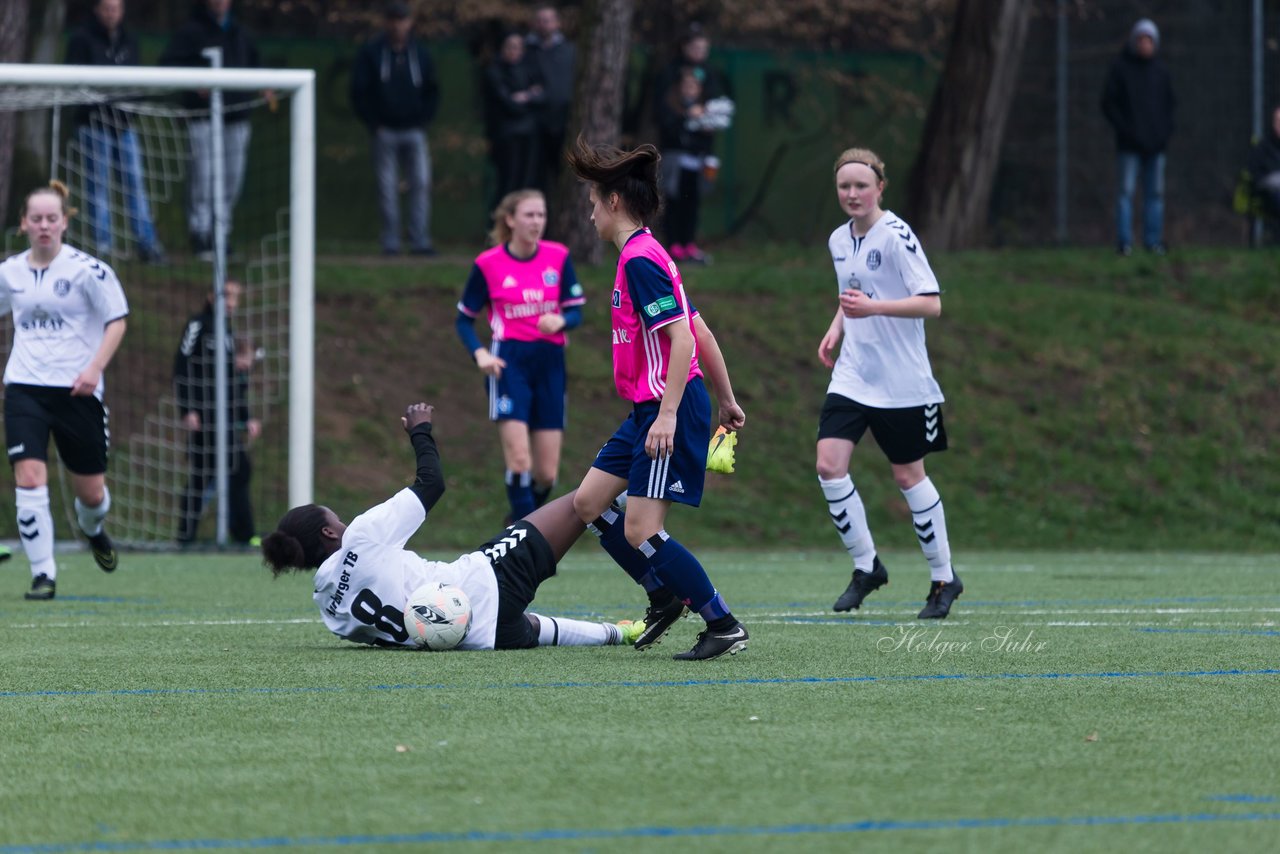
point(930, 524)
point(35, 529)
point(848, 514)
point(557, 631)
point(90, 518)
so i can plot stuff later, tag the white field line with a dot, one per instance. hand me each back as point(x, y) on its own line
point(162, 624)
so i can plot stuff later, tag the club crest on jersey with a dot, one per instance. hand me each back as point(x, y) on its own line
point(550, 277)
point(62, 287)
point(873, 259)
point(617, 299)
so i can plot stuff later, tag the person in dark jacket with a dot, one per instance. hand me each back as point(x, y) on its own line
point(212, 25)
point(1138, 102)
point(555, 58)
point(691, 105)
point(107, 141)
point(513, 98)
point(1264, 165)
point(395, 92)
point(194, 384)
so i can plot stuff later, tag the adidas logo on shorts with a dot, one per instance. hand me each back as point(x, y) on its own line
point(677, 488)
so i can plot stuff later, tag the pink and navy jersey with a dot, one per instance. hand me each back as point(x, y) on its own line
point(647, 295)
point(517, 291)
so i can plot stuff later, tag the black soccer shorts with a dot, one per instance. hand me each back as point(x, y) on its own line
point(904, 435)
point(78, 424)
point(522, 559)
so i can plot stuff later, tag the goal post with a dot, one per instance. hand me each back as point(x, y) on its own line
point(33, 86)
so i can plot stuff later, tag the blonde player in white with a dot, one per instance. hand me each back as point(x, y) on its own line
point(68, 320)
point(364, 573)
point(881, 380)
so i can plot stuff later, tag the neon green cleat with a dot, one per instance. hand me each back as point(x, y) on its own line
point(720, 454)
point(631, 630)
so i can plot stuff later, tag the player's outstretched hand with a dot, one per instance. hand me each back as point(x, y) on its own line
point(415, 414)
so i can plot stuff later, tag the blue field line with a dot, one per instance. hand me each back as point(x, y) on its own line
point(1153, 630)
point(652, 832)
point(658, 683)
point(1242, 799)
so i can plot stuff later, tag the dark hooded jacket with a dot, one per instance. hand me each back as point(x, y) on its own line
point(1138, 102)
point(93, 45)
point(201, 31)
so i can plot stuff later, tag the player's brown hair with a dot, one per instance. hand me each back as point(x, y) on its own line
point(633, 174)
point(867, 158)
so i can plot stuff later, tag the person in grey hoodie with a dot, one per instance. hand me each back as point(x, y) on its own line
point(1138, 102)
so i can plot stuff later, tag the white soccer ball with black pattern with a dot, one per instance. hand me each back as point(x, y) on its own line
point(438, 616)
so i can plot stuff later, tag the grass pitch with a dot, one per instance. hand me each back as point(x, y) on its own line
point(1072, 702)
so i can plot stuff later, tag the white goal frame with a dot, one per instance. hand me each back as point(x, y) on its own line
point(301, 84)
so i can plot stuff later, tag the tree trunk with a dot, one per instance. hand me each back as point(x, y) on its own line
point(604, 47)
point(949, 190)
point(13, 44)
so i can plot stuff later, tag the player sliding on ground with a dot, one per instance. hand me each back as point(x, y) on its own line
point(365, 574)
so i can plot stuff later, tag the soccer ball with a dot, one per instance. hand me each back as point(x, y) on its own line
point(438, 616)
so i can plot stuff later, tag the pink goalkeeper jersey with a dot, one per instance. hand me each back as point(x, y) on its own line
point(647, 295)
point(518, 291)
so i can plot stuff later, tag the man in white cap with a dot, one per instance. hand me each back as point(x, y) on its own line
point(1138, 102)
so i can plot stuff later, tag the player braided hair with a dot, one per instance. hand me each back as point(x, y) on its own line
point(296, 543)
point(866, 157)
point(501, 232)
point(53, 188)
point(633, 174)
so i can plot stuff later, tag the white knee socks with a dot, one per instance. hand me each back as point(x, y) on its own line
point(90, 518)
point(35, 527)
point(557, 631)
point(931, 528)
point(850, 518)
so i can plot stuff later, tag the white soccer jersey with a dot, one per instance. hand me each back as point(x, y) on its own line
point(362, 588)
point(59, 314)
point(883, 361)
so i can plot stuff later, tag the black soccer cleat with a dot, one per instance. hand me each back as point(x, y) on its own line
point(862, 585)
point(715, 644)
point(941, 594)
point(104, 552)
point(42, 587)
point(658, 620)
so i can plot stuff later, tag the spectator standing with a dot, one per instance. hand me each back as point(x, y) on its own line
point(107, 141)
point(513, 99)
point(555, 59)
point(691, 103)
point(212, 25)
point(1138, 102)
point(395, 92)
point(194, 370)
point(1264, 165)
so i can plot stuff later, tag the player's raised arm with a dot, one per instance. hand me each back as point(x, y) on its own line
point(429, 483)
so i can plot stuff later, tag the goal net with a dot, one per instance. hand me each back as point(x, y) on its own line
point(185, 204)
